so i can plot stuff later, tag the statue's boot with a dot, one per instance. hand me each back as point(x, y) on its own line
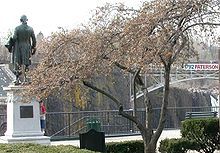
point(17, 81)
point(26, 79)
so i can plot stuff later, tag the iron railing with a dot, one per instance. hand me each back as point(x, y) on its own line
point(70, 124)
point(74, 123)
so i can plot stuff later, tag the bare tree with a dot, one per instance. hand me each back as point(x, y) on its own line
point(159, 33)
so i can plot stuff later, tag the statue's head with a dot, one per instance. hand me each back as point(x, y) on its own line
point(23, 18)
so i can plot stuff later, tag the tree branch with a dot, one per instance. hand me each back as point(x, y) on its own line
point(202, 23)
point(121, 111)
point(90, 85)
point(138, 79)
point(133, 119)
point(179, 49)
point(134, 90)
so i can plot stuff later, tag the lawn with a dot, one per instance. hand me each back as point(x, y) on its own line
point(35, 148)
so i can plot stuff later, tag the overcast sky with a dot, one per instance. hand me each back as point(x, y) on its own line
point(47, 15)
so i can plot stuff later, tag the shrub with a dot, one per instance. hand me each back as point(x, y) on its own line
point(204, 131)
point(125, 147)
point(177, 145)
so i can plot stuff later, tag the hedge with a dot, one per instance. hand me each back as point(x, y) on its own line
point(197, 134)
point(177, 145)
point(204, 131)
point(125, 147)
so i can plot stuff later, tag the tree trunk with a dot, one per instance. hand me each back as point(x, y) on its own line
point(150, 148)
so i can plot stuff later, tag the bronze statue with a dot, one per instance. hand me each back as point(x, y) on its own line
point(22, 46)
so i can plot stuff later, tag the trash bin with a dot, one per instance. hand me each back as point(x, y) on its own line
point(93, 140)
point(93, 123)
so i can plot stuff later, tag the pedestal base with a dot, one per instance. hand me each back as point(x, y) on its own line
point(44, 140)
point(23, 119)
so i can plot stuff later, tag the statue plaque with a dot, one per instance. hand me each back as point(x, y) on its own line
point(26, 111)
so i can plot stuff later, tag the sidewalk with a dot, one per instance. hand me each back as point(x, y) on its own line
point(165, 134)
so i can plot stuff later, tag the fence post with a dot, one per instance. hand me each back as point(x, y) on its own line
point(69, 124)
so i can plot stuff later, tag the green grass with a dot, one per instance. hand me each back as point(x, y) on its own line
point(35, 148)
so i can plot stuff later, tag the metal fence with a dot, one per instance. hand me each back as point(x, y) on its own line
point(3, 123)
point(70, 124)
point(73, 123)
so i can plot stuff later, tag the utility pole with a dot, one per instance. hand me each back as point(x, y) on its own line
point(219, 79)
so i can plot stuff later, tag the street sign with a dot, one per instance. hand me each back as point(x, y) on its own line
point(203, 66)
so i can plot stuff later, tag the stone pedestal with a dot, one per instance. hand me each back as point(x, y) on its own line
point(23, 119)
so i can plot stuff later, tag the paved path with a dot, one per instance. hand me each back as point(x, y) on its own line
point(165, 134)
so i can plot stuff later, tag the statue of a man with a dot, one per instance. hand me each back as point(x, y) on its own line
point(23, 48)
